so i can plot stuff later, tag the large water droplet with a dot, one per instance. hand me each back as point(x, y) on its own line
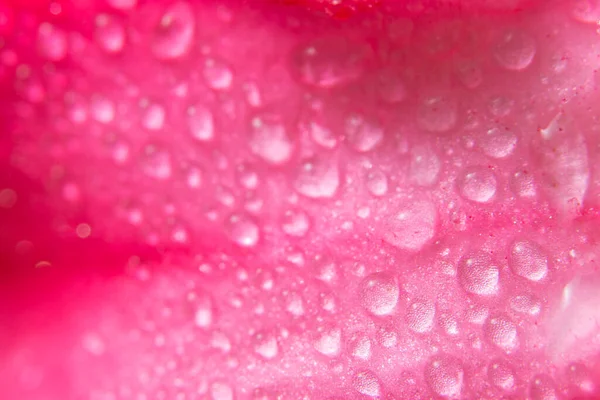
point(502, 332)
point(201, 123)
point(515, 50)
point(110, 33)
point(478, 185)
point(270, 141)
point(377, 182)
point(420, 316)
point(156, 162)
point(330, 62)
point(444, 375)
point(528, 259)
point(498, 143)
point(363, 135)
point(367, 383)
point(52, 42)
point(379, 293)
point(424, 166)
point(174, 34)
point(295, 223)
point(478, 274)
point(329, 343)
point(412, 226)
point(437, 113)
point(318, 177)
point(242, 230)
point(501, 375)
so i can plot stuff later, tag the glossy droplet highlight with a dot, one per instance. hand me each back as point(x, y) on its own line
point(444, 375)
point(379, 293)
point(502, 332)
point(242, 230)
point(52, 42)
point(201, 123)
point(437, 113)
point(478, 185)
point(156, 162)
point(528, 260)
point(424, 166)
point(420, 316)
point(318, 178)
point(501, 375)
point(478, 274)
point(270, 141)
point(295, 223)
point(110, 33)
point(498, 143)
point(329, 343)
point(367, 383)
point(174, 34)
point(363, 135)
point(377, 182)
point(217, 74)
point(515, 50)
point(412, 226)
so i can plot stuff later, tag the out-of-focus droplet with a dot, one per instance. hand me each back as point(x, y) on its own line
point(242, 230)
point(515, 50)
point(194, 178)
point(542, 388)
point(379, 293)
point(174, 35)
point(201, 123)
point(424, 166)
point(8, 198)
point(478, 185)
point(367, 383)
point(498, 143)
point(528, 259)
point(444, 375)
point(420, 316)
point(295, 304)
point(329, 342)
point(586, 11)
point(270, 141)
point(523, 184)
point(295, 223)
point(412, 226)
point(156, 162)
point(437, 113)
point(266, 346)
point(102, 109)
point(501, 375)
point(217, 74)
point(363, 135)
point(478, 274)
point(153, 116)
point(221, 391)
point(122, 4)
point(469, 73)
point(110, 33)
point(330, 62)
point(204, 315)
point(52, 42)
point(318, 177)
point(377, 182)
point(502, 332)
point(320, 134)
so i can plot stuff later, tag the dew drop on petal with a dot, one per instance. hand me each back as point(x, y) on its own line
point(122, 4)
point(52, 42)
point(109, 33)
point(363, 135)
point(156, 162)
point(318, 177)
point(424, 166)
point(420, 316)
point(478, 274)
point(379, 293)
point(367, 383)
point(501, 375)
point(478, 185)
point(200, 122)
point(528, 259)
point(498, 143)
point(444, 375)
point(242, 230)
point(412, 226)
point(295, 223)
point(437, 113)
point(270, 141)
point(174, 34)
point(515, 50)
point(217, 74)
point(377, 182)
point(502, 332)
point(329, 343)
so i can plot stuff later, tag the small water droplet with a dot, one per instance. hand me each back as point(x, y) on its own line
point(295, 223)
point(102, 109)
point(469, 73)
point(320, 134)
point(156, 162)
point(110, 33)
point(221, 391)
point(515, 50)
point(217, 74)
point(204, 316)
point(8, 198)
point(377, 183)
point(242, 230)
point(201, 123)
point(478, 274)
point(194, 178)
point(501, 375)
point(270, 141)
point(361, 348)
point(122, 4)
point(329, 343)
point(437, 113)
point(502, 332)
point(266, 346)
point(526, 304)
point(294, 304)
point(153, 116)
point(379, 293)
point(174, 34)
point(367, 383)
point(412, 226)
point(498, 143)
point(528, 259)
point(363, 135)
point(542, 388)
point(318, 177)
point(478, 185)
point(523, 185)
point(586, 11)
point(444, 375)
point(420, 316)
point(424, 167)
point(52, 42)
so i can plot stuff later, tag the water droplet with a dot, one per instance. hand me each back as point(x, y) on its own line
point(528, 259)
point(379, 293)
point(526, 304)
point(363, 135)
point(542, 388)
point(586, 11)
point(204, 316)
point(437, 113)
point(102, 109)
point(580, 377)
point(266, 346)
point(367, 383)
point(391, 88)
point(270, 141)
point(122, 4)
point(478, 274)
point(156, 162)
point(498, 143)
point(243, 231)
point(174, 34)
point(110, 33)
point(412, 226)
point(194, 178)
point(52, 42)
point(444, 375)
point(361, 348)
point(501, 375)
point(515, 50)
point(478, 185)
point(377, 182)
point(221, 391)
point(153, 117)
point(523, 185)
point(8, 198)
point(424, 166)
point(420, 316)
point(294, 304)
point(330, 62)
point(320, 134)
point(201, 123)
point(295, 223)
point(329, 343)
point(469, 73)
point(502, 332)
point(318, 177)
point(217, 74)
